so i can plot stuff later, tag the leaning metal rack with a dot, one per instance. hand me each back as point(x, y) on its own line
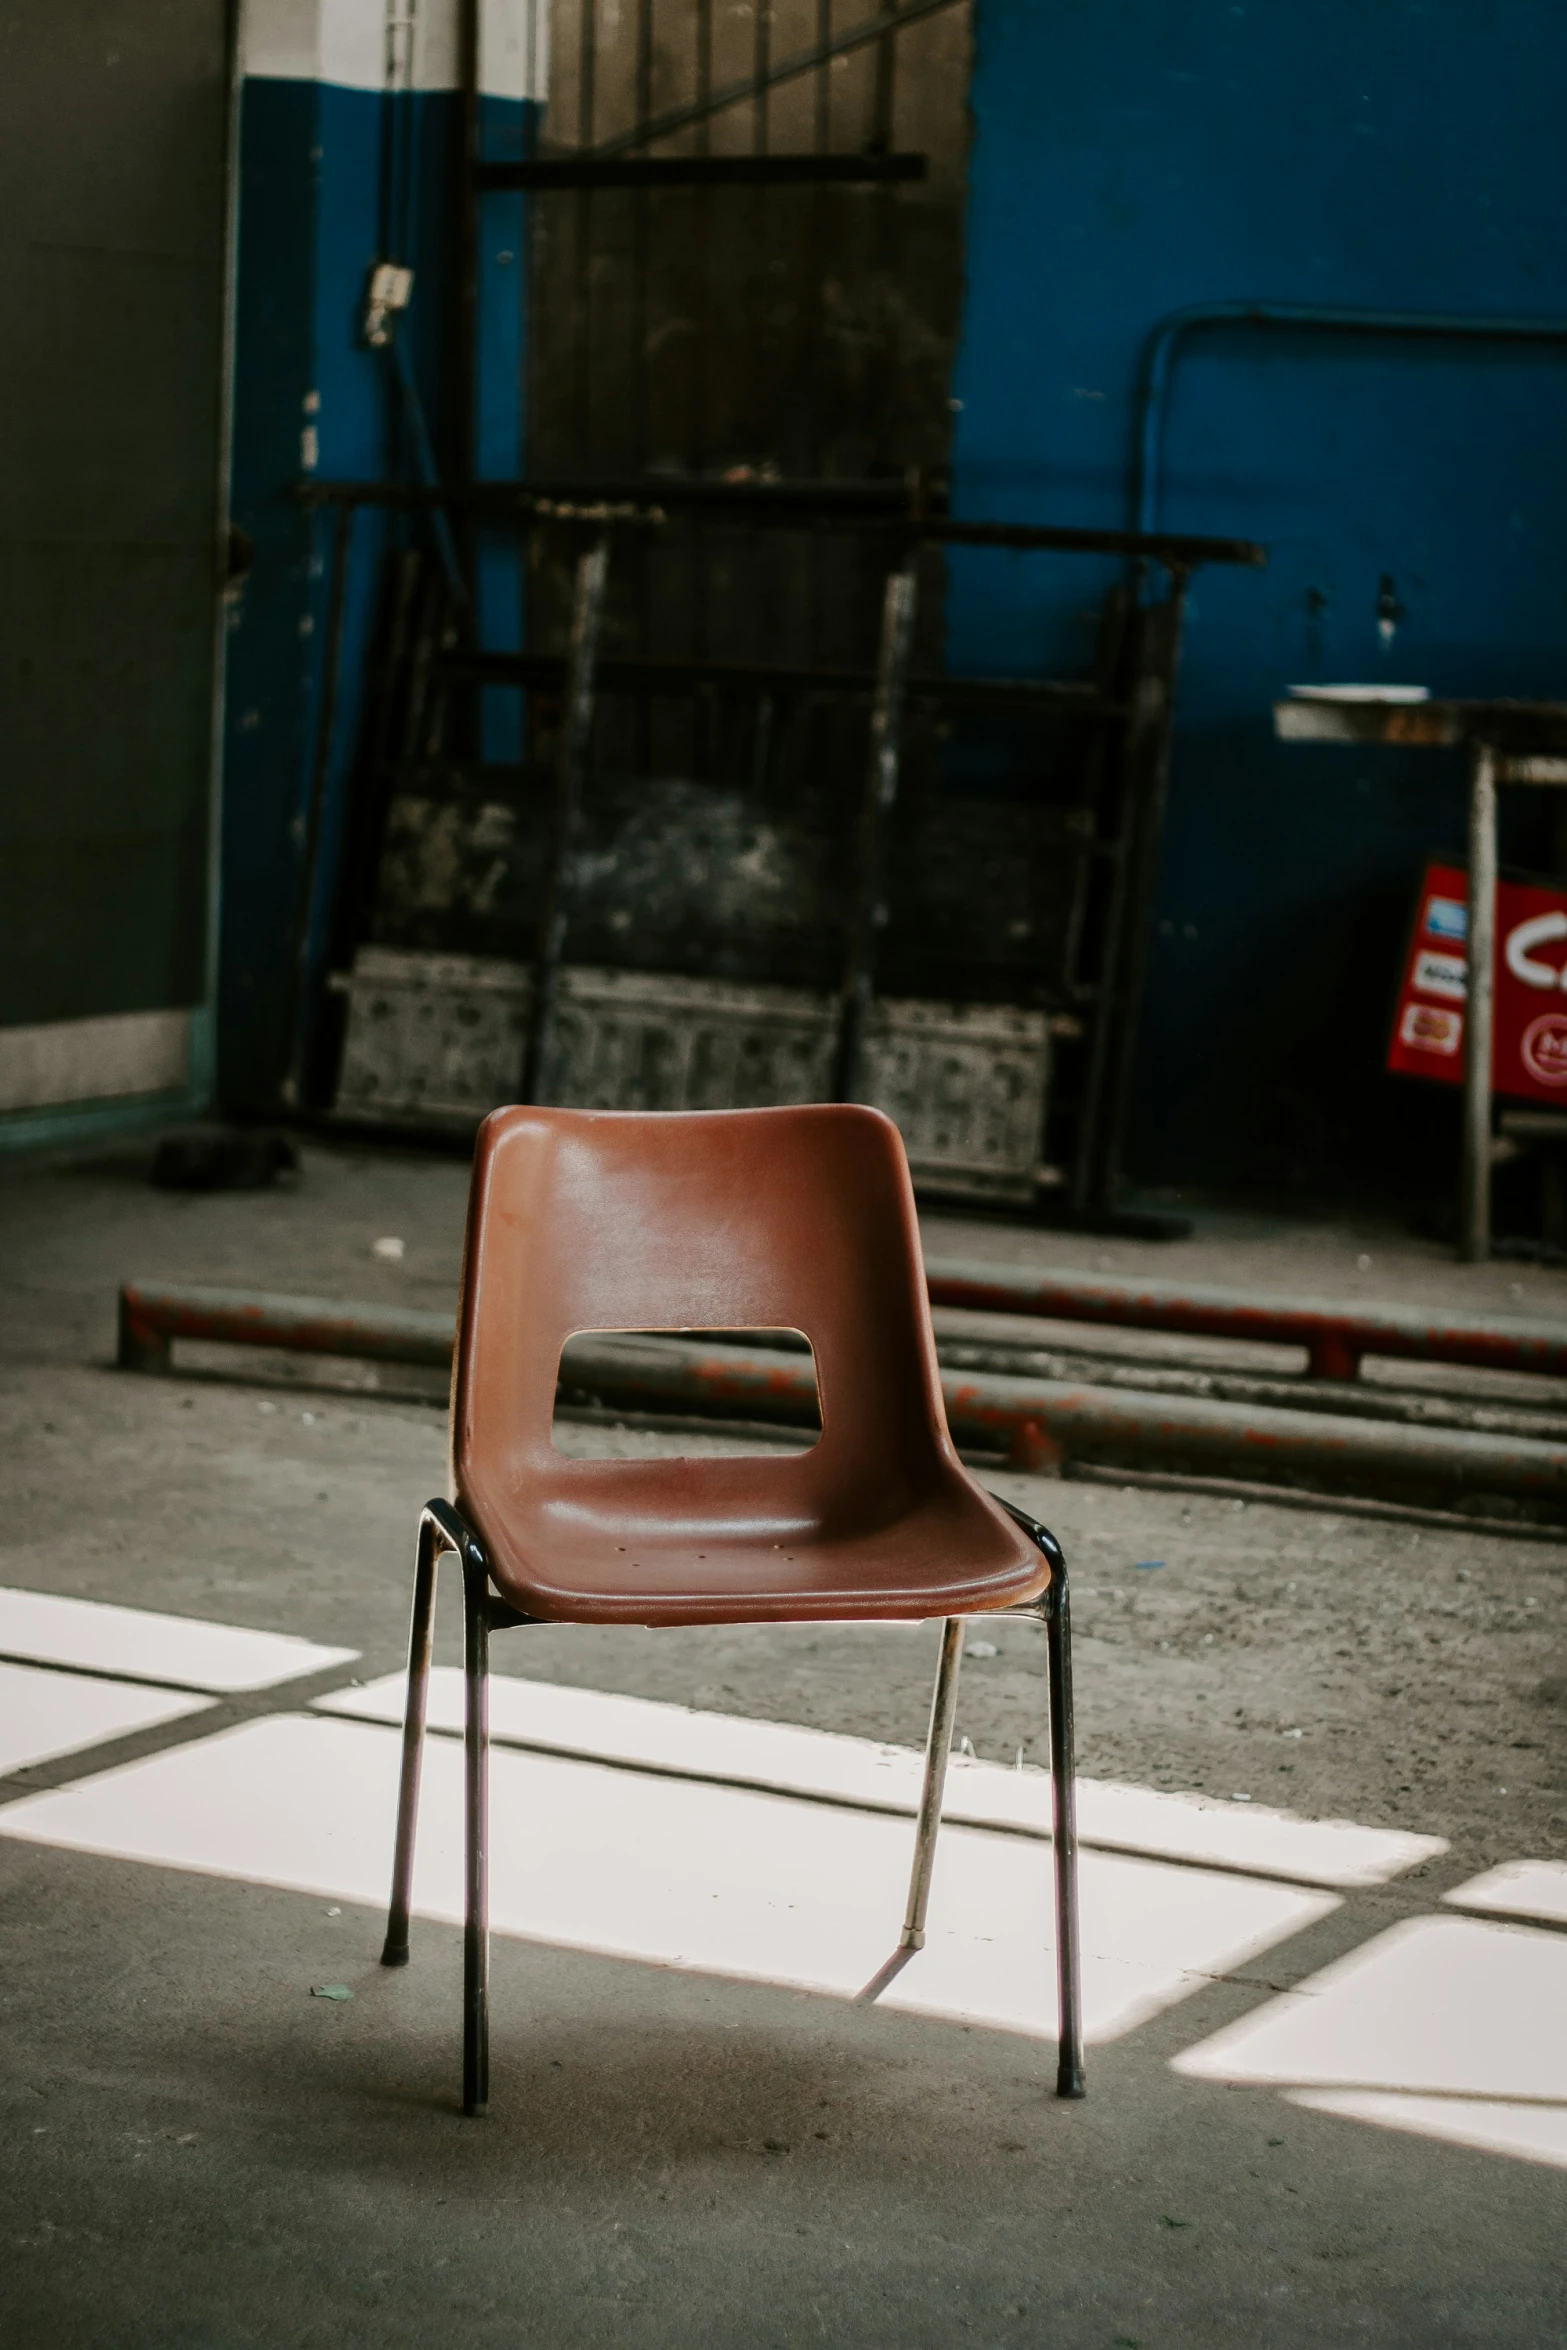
point(1009, 1071)
point(716, 880)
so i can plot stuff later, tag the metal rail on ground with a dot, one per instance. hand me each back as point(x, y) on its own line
point(1039, 1422)
point(1335, 1335)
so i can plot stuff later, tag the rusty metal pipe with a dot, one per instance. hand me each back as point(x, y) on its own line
point(153, 1314)
point(1040, 1423)
point(1334, 1335)
point(1015, 1359)
point(1043, 1423)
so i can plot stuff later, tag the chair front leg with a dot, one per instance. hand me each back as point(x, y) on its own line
point(943, 1711)
point(394, 1951)
point(1063, 1788)
point(476, 1779)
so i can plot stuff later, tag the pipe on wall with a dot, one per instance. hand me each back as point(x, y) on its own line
point(1163, 347)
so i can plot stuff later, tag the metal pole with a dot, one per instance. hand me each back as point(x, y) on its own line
point(587, 621)
point(1138, 821)
point(761, 68)
point(881, 791)
point(466, 370)
point(582, 229)
point(298, 1023)
point(465, 360)
point(1475, 1209)
point(886, 70)
point(1146, 816)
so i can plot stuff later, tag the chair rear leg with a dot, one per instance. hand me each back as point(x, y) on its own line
point(943, 1709)
point(1069, 2060)
point(476, 1774)
point(394, 1951)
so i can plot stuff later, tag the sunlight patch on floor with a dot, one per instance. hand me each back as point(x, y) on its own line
point(1454, 2027)
point(779, 1755)
point(1518, 1889)
point(681, 1873)
point(46, 1628)
point(768, 1852)
point(45, 1714)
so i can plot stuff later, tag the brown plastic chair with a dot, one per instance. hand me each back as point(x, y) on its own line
point(797, 1219)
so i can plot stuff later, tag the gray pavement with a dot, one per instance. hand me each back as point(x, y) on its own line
point(197, 2152)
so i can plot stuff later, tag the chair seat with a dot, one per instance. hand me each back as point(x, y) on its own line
point(686, 1542)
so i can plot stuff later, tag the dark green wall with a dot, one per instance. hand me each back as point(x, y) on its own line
point(112, 137)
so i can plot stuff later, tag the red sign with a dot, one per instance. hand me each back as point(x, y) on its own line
point(1529, 1049)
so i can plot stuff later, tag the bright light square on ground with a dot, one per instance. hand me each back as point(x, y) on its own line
point(797, 1761)
point(676, 1872)
point(45, 1714)
point(1450, 2026)
point(43, 1627)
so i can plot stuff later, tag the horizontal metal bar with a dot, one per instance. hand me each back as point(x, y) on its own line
point(650, 499)
point(1334, 1335)
point(1047, 1423)
point(591, 170)
point(1181, 550)
point(153, 1314)
point(1028, 1357)
point(1524, 733)
point(1032, 1359)
point(657, 495)
point(1039, 1422)
point(1166, 340)
point(786, 505)
point(1067, 697)
point(1465, 1520)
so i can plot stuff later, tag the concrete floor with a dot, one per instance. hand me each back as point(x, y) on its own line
point(197, 2152)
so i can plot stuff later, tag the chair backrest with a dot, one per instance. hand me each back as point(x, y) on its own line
point(782, 1218)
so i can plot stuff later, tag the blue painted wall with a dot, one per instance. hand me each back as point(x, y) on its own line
point(1133, 158)
point(316, 193)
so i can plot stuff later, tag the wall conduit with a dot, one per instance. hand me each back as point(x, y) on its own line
point(1162, 351)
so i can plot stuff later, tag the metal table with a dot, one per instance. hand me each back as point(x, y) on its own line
point(1506, 742)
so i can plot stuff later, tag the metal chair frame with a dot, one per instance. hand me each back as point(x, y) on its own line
point(442, 1528)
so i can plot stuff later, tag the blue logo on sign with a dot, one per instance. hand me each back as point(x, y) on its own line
point(1447, 918)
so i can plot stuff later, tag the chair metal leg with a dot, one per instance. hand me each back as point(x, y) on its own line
point(394, 1951)
point(441, 1528)
point(476, 1777)
point(1058, 1633)
point(943, 1709)
point(1055, 1608)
